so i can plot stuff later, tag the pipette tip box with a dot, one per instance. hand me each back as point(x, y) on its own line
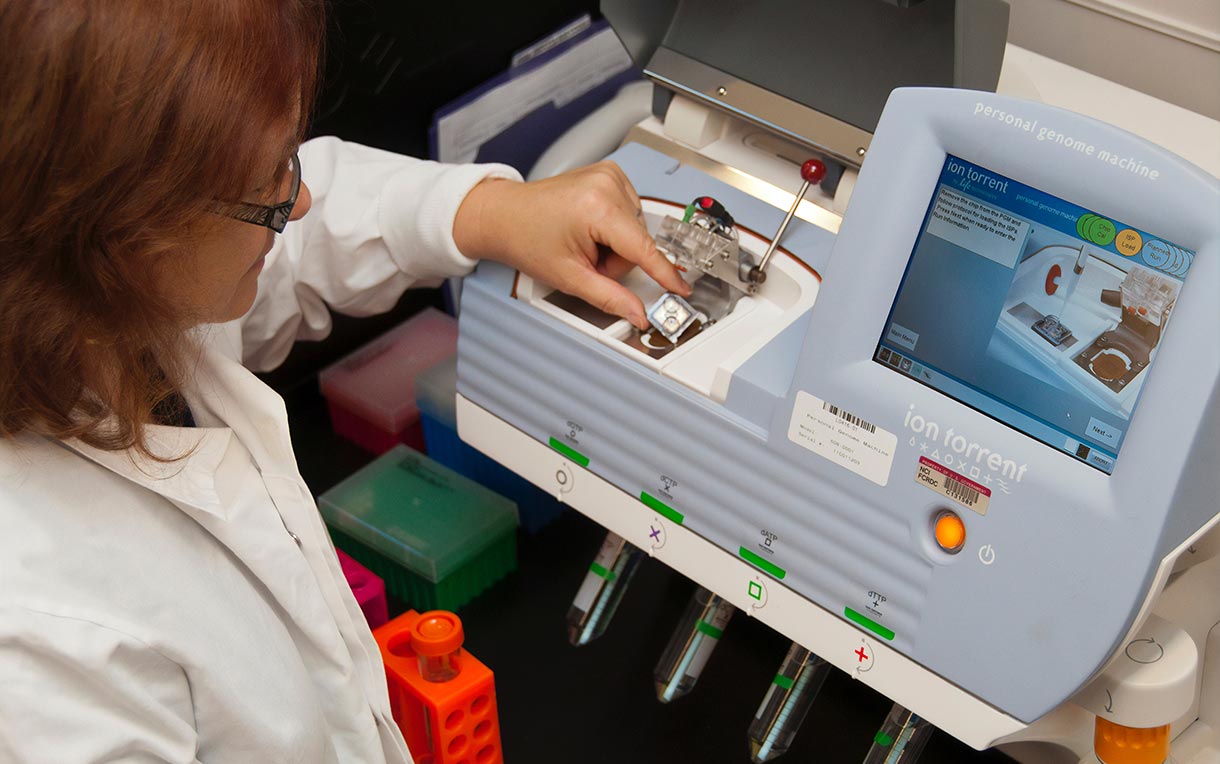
point(370, 394)
point(436, 538)
point(435, 392)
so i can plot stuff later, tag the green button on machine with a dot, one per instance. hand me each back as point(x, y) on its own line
point(762, 564)
point(437, 538)
point(570, 452)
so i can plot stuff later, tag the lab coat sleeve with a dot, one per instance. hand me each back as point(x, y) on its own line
point(73, 691)
point(380, 223)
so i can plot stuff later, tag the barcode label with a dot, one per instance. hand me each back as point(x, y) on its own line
point(953, 485)
point(849, 417)
point(862, 447)
point(961, 492)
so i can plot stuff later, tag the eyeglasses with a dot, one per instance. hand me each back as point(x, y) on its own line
point(273, 216)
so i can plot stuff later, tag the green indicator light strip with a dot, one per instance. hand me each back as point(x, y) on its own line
point(663, 509)
point(709, 629)
point(882, 739)
point(761, 564)
point(569, 452)
point(782, 681)
point(609, 575)
point(868, 623)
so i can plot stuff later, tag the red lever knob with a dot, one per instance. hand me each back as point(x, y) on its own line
point(812, 171)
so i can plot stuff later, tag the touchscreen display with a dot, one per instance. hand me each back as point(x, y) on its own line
point(1037, 312)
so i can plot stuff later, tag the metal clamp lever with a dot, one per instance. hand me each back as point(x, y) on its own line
point(812, 171)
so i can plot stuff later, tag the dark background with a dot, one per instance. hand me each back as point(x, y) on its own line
point(391, 64)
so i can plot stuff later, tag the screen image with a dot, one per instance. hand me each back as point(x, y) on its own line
point(1037, 312)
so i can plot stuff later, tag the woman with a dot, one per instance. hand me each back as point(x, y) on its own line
point(168, 591)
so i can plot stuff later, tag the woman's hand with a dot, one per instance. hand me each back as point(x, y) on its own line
point(579, 232)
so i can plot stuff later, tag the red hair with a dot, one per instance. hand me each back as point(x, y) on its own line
point(121, 124)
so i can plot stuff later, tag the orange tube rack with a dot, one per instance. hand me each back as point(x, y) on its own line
point(451, 722)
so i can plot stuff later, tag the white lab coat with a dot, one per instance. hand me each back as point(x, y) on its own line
point(195, 611)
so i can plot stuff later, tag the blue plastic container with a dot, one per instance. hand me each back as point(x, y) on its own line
point(435, 393)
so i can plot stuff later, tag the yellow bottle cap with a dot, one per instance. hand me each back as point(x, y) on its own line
point(1116, 744)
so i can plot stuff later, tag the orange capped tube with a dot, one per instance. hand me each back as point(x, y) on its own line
point(437, 639)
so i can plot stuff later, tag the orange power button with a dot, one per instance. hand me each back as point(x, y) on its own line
point(950, 531)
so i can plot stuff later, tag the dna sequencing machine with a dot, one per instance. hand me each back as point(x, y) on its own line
point(953, 430)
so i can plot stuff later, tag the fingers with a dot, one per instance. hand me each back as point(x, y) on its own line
point(580, 231)
point(629, 239)
point(635, 244)
point(614, 267)
point(609, 296)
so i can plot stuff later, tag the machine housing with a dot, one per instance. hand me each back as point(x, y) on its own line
point(698, 455)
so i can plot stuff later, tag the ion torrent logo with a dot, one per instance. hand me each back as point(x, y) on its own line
point(958, 452)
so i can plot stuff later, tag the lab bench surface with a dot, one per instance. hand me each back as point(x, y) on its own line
point(597, 704)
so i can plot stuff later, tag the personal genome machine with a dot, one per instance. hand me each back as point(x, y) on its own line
point(959, 440)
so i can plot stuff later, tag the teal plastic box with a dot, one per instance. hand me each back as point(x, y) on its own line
point(435, 537)
point(435, 393)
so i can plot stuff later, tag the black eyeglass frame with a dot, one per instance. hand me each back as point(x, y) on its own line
point(274, 216)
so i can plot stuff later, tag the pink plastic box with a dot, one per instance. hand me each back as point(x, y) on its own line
point(368, 588)
point(371, 393)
